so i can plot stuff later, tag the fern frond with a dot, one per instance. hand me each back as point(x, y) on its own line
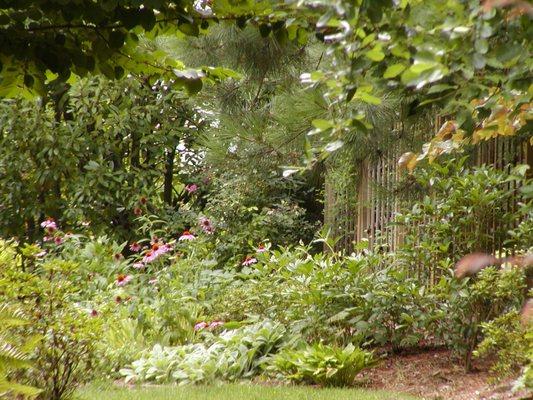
point(7, 387)
point(10, 317)
point(12, 356)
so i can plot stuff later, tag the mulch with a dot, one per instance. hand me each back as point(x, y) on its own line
point(436, 375)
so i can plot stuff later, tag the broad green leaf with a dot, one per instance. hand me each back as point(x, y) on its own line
point(367, 97)
point(376, 54)
point(393, 71)
point(322, 124)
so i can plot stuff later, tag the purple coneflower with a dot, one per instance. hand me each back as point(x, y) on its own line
point(187, 236)
point(249, 261)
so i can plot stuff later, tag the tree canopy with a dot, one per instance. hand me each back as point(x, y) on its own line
point(470, 58)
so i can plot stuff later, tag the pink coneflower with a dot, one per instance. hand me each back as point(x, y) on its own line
point(137, 211)
point(135, 247)
point(249, 261)
point(165, 248)
point(153, 281)
point(138, 265)
point(49, 224)
point(118, 299)
point(123, 279)
point(150, 256)
point(215, 324)
point(47, 238)
point(118, 257)
point(191, 188)
point(143, 200)
point(261, 248)
point(206, 225)
point(187, 236)
point(40, 254)
point(58, 240)
point(94, 313)
point(200, 325)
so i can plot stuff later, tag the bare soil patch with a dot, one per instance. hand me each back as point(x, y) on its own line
point(436, 375)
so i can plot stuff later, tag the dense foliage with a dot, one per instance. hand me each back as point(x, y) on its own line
point(171, 313)
point(156, 234)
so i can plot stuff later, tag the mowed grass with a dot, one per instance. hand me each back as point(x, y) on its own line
point(233, 392)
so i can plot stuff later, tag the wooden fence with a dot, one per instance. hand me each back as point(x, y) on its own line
point(366, 209)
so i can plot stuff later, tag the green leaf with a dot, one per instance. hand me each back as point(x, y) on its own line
point(481, 46)
point(362, 326)
point(92, 166)
point(339, 316)
point(399, 50)
point(441, 87)
point(375, 54)
point(393, 71)
point(194, 86)
point(322, 124)
point(189, 29)
point(367, 97)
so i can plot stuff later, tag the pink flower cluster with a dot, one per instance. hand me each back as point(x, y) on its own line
point(207, 225)
point(51, 227)
point(191, 188)
point(155, 251)
point(49, 224)
point(203, 325)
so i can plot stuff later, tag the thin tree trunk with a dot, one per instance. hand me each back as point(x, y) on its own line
point(169, 175)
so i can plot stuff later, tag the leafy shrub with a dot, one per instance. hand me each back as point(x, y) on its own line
point(396, 309)
point(331, 298)
point(454, 218)
point(526, 379)
point(65, 355)
point(322, 364)
point(269, 209)
point(234, 354)
point(505, 337)
point(468, 304)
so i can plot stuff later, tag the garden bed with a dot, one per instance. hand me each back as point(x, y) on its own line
point(432, 374)
point(436, 374)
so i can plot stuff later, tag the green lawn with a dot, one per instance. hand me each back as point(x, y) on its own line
point(233, 392)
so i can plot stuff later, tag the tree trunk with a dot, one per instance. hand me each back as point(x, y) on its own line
point(169, 175)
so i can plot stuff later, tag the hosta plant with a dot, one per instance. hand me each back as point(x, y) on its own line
point(322, 364)
point(234, 354)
